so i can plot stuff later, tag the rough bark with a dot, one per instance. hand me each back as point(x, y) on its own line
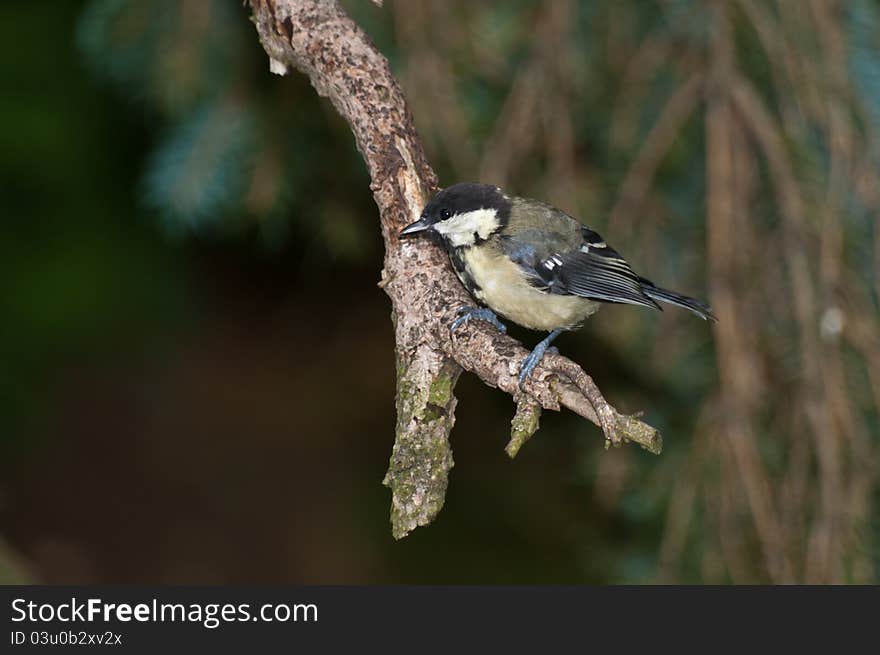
point(319, 39)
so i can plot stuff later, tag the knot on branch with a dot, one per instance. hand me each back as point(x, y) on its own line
point(524, 424)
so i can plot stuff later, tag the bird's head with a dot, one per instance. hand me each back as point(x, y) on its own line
point(463, 214)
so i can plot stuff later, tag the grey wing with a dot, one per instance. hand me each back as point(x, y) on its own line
point(591, 269)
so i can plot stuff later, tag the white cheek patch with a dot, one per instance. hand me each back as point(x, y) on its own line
point(461, 228)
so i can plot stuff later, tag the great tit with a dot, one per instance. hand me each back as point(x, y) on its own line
point(533, 264)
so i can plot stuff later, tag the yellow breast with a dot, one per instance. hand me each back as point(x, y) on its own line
point(506, 291)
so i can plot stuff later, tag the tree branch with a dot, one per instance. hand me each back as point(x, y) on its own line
point(319, 39)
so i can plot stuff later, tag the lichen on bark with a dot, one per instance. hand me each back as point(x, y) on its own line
point(524, 424)
point(418, 471)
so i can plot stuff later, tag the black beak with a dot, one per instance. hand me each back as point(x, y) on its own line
point(414, 228)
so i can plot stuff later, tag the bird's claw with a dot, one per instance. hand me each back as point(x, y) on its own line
point(528, 365)
point(534, 358)
point(467, 313)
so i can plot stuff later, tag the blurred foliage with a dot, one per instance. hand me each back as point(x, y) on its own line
point(236, 148)
point(729, 149)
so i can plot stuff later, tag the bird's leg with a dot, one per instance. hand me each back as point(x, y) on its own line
point(530, 362)
point(483, 313)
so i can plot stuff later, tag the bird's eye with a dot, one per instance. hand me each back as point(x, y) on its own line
point(445, 213)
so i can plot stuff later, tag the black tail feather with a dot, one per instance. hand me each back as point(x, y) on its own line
point(698, 307)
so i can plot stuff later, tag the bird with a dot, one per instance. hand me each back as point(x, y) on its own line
point(532, 264)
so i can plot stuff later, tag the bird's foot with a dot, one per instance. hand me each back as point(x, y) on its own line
point(482, 313)
point(529, 364)
point(534, 358)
